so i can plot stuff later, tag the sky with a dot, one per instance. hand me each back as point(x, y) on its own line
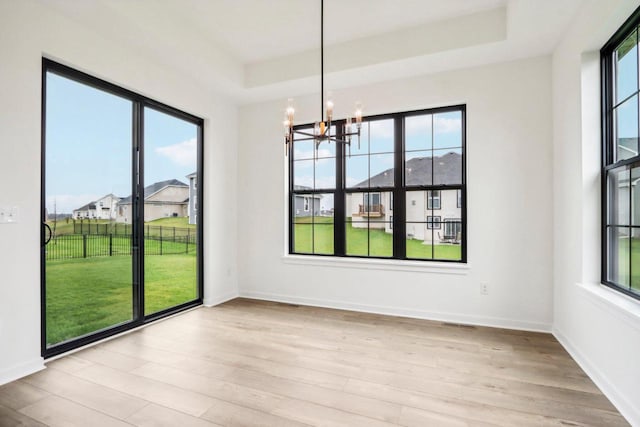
point(88, 145)
point(426, 136)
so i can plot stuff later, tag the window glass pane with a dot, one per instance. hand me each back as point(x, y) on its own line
point(417, 168)
point(626, 116)
point(303, 238)
point(303, 149)
point(416, 206)
point(618, 193)
point(323, 211)
point(626, 57)
point(380, 239)
point(618, 243)
point(302, 208)
point(325, 173)
point(635, 196)
point(447, 130)
point(357, 232)
point(635, 259)
point(357, 172)
point(359, 145)
point(448, 244)
point(381, 170)
point(88, 262)
point(381, 136)
point(418, 133)
point(323, 238)
point(420, 240)
point(447, 167)
point(303, 174)
point(449, 208)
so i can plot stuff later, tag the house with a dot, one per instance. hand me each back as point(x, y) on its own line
point(308, 204)
point(103, 208)
point(431, 216)
point(162, 199)
point(539, 324)
point(193, 198)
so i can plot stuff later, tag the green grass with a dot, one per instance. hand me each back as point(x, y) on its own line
point(86, 295)
point(318, 238)
point(623, 263)
point(180, 222)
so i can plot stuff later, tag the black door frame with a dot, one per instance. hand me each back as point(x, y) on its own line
point(139, 102)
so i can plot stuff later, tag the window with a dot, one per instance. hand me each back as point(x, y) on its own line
point(621, 160)
point(433, 199)
point(433, 222)
point(377, 197)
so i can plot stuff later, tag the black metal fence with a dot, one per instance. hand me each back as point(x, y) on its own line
point(70, 246)
point(121, 229)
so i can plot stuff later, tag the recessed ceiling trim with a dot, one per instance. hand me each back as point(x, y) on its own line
point(452, 34)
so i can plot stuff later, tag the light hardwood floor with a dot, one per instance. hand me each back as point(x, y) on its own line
point(252, 363)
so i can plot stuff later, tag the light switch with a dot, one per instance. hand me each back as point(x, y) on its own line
point(9, 215)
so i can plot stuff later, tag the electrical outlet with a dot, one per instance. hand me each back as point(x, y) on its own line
point(484, 288)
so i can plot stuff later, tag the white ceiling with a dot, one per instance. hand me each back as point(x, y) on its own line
point(228, 39)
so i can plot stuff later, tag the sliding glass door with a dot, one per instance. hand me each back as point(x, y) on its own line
point(170, 211)
point(120, 226)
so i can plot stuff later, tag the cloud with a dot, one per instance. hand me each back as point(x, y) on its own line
point(183, 153)
point(447, 125)
point(310, 154)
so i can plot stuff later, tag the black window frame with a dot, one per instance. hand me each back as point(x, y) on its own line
point(609, 161)
point(398, 190)
point(139, 103)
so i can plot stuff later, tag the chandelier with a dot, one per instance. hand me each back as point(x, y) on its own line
point(322, 129)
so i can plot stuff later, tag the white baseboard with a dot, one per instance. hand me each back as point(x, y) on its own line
point(628, 410)
point(21, 370)
point(219, 299)
point(465, 319)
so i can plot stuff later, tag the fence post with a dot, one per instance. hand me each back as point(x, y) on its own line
point(111, 244)
point(187, 240)
point(174, 234)
point(84, 246)
point(160, 240)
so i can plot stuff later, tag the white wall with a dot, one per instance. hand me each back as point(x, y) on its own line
point(29, 30)
point(509, 206)
point(599, 327)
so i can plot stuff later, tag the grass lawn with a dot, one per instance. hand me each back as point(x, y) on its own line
point(359, 242)
point(623, 263)
point(86, 295)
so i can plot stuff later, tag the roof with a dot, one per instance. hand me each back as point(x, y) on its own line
point(154, 188)
point(192, 175)
point(88, 206)
point(448, 170)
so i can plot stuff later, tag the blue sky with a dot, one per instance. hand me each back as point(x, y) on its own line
point(88, 145)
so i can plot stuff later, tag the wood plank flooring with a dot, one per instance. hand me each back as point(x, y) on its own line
point(253, 363)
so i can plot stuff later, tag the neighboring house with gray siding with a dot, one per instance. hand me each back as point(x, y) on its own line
point(306, 204)
point(161, 200)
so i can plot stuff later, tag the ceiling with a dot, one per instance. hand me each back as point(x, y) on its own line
point(253, 50)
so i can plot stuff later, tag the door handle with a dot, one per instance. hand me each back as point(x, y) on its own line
point(47, 239)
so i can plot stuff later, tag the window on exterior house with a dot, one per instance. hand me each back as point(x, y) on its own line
point(433, 199)
point(621, 160)
point(377, 197)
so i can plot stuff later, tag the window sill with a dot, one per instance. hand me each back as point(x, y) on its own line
point(379, 264)
point(616, 303)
